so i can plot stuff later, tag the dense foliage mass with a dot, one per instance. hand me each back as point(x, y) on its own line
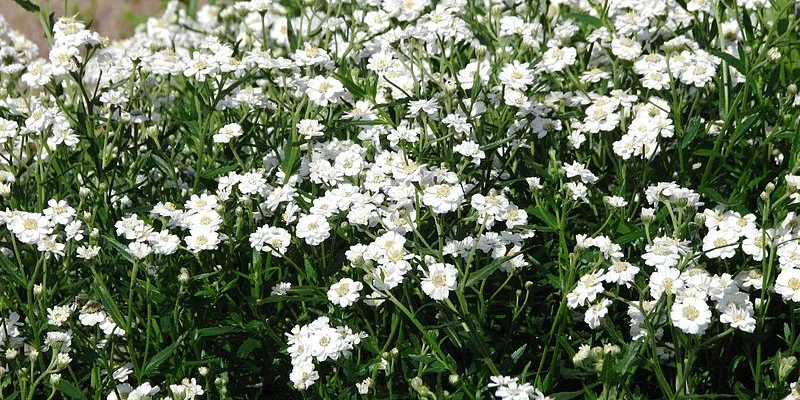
point(464, 199)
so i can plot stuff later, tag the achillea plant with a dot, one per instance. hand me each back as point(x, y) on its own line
point(404, 199)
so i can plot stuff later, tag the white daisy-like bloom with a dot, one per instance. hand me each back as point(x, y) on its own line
point(280, 289)
point(345, 292)
point(310, 128)
point(596, 312)
point(303, 375)
point(228, 132)
point(720, 243)
point(139, 250)
point(58, 315)
point(691, 315)
point(31, 227)
point(443, 198)
point(516, 75)
point(557, 59)
point(621, 273)
point(665, 280)
point(313, 228)
point(587, 289)
point(91, 313)
point(324, 90)
point(59, 212)
point(439, 280)
point(272, 239)
point(787, 284)
point(202, 239)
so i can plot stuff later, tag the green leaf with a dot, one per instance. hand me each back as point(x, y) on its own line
point(108, 301)
point(12, 270)
point(162, 356)
point(623, 365)
point(691, 134)
point(247, 347)
point(216, 331)
point(164, 166)
point(69, 390)
point(567, 395)
point(731, 60)
point(631, 236)
point(27, 5)
point(585, 18)
point(121, 248)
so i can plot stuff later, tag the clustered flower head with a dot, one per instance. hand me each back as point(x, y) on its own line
point(318, 341)
point(378, 153)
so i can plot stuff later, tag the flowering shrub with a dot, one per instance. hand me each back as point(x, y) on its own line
point(404, 199)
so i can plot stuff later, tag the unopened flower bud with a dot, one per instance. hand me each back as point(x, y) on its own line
point(184, 277)
point(785, 367)
point(37, 290)
point(454, 379)
point(11, 354)
point(203, 371)
point(55, 379)
point(699, 219)
point(769, 188)
point(648, 215)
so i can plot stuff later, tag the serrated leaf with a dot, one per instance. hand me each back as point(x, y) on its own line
point(216, 331)
point(108, 301)
point(162, 356)
point(11, 270)
point(27, 5)
point(585, 18)
point(164, 166)
point(247, 347)
point(69, 390)
point(121, 248)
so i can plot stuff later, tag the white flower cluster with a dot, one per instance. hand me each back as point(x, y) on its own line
point(508, 388)
point(318, 341)
point(40, 229)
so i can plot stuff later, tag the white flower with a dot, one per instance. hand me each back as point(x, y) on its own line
point(363, 387)
point(313, 228)
point(516, 75)
point(31, 227)
point(201, 239)
point(303, 375)
point(280, 289)
point(439, 280)
point(788, 284)
point(621, 273)
point(59, 212)
point(720, 243)
point(596, 312)
point(324, 90)
point(272, 239)
point(587, 289)
point(556, 59)
point(579, 170)
point(691, 315)
point(310, 128)
point(228, 132)
point(443, 198)
point(139, 250)
point(58, 315)
point(345, 292)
